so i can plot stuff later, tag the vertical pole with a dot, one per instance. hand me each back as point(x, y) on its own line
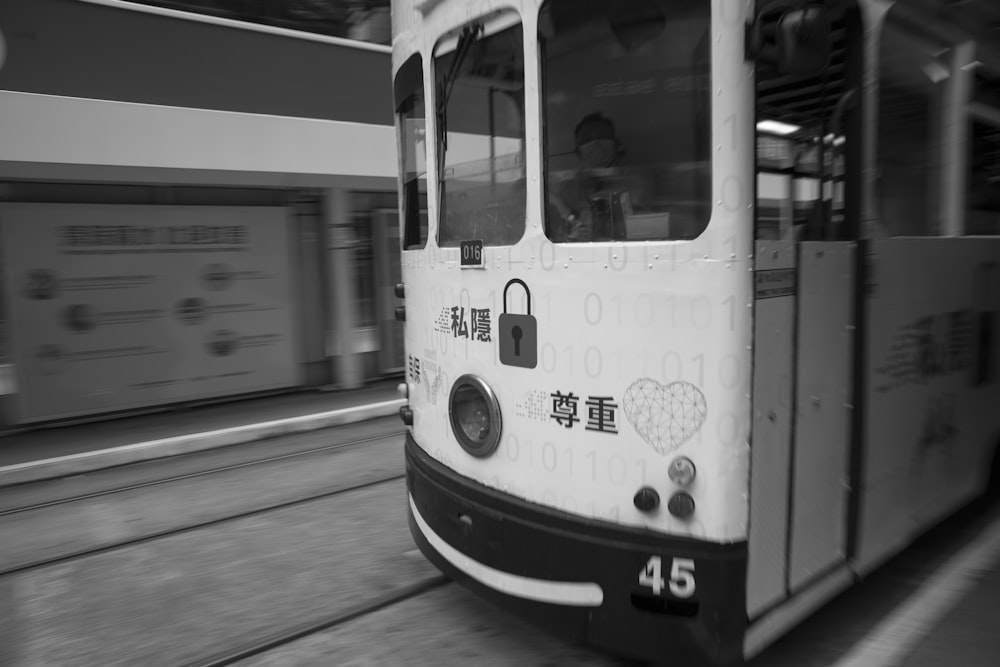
point(347, 371)
point(873, 18)
point(310, 280)
point(955, 140)
point(493, 139)
point(786, 207)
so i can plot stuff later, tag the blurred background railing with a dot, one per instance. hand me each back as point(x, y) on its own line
point(364, 20)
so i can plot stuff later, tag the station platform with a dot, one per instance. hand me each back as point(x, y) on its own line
point(28, 455)
point(950, 616)
point(966, 633)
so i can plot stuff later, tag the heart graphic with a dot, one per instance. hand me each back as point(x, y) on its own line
point(665, 416)
point(433, 388)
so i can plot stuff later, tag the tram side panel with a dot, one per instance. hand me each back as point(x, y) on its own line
point(770, 453)
point(818, 526)
point(803, 338)
point(932, 385)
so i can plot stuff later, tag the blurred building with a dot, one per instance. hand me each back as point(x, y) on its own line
point(197, 201)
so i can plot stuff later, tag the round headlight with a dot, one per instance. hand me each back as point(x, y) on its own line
point(681, 471)
point(475, 416)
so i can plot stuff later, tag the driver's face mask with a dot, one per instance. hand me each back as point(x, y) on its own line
point(597, 153)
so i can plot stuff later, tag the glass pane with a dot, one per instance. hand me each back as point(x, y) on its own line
point(983, 215)
point(913, 76)
point(480, 89)
point(366, 211)
point(627, 100)
point(411, 116)
point(364, 262)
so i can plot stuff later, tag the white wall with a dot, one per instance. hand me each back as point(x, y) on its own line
point(44, 134)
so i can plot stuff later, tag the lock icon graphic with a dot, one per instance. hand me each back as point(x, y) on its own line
point(518, 333)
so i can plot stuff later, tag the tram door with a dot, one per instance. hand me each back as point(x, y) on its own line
point(804, 323)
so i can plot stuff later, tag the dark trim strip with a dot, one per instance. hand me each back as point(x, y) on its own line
point(508, 537)
point(793, 420)
point(853, 201)
point(860, 387)
point(556, 520)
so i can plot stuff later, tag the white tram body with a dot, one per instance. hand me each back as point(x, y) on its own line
point(677, 433)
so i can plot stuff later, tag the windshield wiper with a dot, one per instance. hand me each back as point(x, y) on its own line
point(466, 39)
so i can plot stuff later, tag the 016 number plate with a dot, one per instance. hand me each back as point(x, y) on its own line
point(471, 253)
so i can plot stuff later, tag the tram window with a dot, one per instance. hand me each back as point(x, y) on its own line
point(797, 196)
point(479, 83)
point(409, 93)
point(983, 214)
point(913, 76)
point(626, 105)
point(806, 138)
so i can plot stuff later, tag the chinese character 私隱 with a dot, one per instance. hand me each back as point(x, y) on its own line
point(481, 324)
point(459, 327)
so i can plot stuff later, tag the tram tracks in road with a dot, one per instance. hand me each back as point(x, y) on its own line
point(157, 535)
point(288, 636)
point(430, 621)
point(360, 463)
point(192, 475)
point(297, 560)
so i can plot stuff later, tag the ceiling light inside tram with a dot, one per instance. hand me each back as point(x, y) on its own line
point(777, 127)
point(936, 72)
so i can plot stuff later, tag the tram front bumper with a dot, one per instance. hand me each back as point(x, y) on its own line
point(575, 576)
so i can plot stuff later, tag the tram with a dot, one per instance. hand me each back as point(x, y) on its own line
point(700, 302)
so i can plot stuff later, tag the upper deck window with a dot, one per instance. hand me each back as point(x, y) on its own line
point(626, 104)
point(479, 77)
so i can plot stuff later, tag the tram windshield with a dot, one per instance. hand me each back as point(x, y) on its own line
point(479, 79)
point(627, 117)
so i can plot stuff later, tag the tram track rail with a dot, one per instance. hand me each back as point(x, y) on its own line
point(190, 475)
point(301, 631)
point(229, 517)
point(161, 534)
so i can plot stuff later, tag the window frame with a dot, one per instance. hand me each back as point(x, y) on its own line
point(491, 24)
point(699, 77)
point(409, 94)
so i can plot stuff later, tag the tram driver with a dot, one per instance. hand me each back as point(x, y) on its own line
point(594, 203)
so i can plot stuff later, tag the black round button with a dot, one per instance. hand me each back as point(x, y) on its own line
point(681, 505)
point(646, 499)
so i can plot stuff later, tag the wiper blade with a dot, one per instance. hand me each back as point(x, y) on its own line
point(466, 39)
